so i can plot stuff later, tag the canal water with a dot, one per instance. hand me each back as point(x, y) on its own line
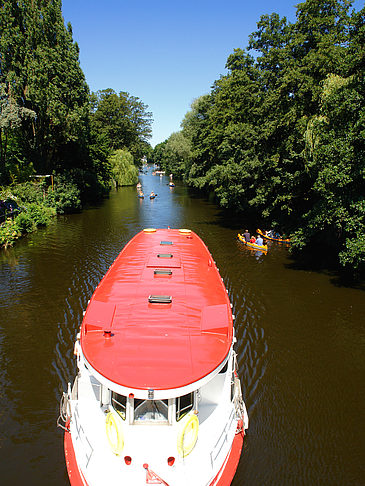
point(301, 342)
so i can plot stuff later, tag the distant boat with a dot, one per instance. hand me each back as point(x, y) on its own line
point(171, 184)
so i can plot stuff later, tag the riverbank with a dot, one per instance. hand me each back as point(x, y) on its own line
point(27, 206)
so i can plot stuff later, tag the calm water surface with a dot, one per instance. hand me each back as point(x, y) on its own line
point(301, 342)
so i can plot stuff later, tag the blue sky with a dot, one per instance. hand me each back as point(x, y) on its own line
point(165, 52)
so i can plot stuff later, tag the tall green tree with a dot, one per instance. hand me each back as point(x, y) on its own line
point(41, 72)
point(123, 119)
point(282, 133)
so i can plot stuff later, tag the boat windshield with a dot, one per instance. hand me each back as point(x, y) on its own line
point(150, 410)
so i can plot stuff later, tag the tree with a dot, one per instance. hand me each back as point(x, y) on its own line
point(176, 154)
point(123, 120)
point(282, 133)
point(11, 118)
point(124, 172)
point(41, 72)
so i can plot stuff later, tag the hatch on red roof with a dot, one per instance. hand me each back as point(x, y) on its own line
point(99, 315)
point(164, 260)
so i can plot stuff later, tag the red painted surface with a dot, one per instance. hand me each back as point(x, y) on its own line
point(74, 474)
point(159, 346)
point(228, 469)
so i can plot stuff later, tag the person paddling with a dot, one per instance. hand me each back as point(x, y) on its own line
point(259, 241)
point(247, 236)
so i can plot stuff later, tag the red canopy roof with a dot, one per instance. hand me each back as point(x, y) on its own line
point(158, 345)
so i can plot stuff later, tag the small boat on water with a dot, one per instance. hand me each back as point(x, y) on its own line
point(253, 246)
point(157, 398)
point(272, 238)
point(153, 197)
point(171, 184)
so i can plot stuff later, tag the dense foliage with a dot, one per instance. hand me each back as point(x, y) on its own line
point(282, 134)
point(49, 121)
point(31, 208)
point(124, 172)
point(51, 124)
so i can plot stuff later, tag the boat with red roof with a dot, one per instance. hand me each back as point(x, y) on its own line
point(157, 397)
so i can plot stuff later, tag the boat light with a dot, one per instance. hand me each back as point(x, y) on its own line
point(127, 460)
point(170, 461)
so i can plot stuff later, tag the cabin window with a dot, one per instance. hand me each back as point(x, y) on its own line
point(119, 403)
point(183, 405)
point(151, 411)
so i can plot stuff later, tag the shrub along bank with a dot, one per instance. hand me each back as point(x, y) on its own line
point(34, 205)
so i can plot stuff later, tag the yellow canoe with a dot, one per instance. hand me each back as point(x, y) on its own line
point(253, 246)
point(279, 240)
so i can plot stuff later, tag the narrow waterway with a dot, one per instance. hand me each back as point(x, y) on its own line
point(301, 342)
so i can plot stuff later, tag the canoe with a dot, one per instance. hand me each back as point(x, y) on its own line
point(157, 397)
point(279, 240)
point(253, 246)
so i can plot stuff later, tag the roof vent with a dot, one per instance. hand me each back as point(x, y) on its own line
point(160, 299)
point(165, 242)
point(164, 255)
point(162, 272)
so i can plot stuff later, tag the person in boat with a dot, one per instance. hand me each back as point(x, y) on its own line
point(152, 194)
point(247, 236)
point(253, 239)
point(269, 233)
point(259, 241)
point(140, 194)
point(139, 185)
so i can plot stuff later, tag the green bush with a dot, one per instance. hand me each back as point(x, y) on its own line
point(65, 197)
point(25, 223)
point(9, 232)
point(40, 214)
point(28, 192)
point(32, 216)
